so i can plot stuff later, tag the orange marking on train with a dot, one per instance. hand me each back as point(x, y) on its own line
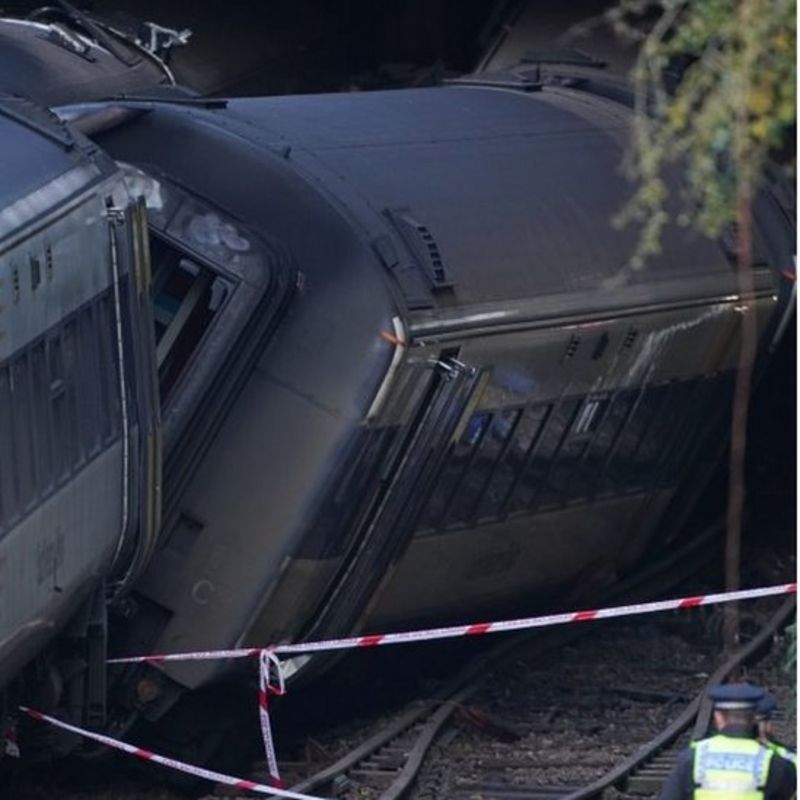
point(392, 339)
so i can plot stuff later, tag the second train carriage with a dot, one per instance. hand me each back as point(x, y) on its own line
point(79, 439)
point(412, 375)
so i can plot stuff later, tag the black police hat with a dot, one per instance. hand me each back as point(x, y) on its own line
point(766, 706)
point(735, 696)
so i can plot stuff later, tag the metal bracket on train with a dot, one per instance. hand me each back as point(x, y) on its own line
point(115, 214)
point(452, 367)
point(157, 39)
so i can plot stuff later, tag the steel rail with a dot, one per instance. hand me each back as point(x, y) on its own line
point(698, 711)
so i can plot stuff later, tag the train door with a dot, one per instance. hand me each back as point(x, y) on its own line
point(131, 254)
point(429, 403)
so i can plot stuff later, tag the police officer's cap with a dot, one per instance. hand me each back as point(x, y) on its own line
point(735, 696)
point(766, 706)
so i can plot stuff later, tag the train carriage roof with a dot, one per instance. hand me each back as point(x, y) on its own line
point(42, 163)
point(516, 190)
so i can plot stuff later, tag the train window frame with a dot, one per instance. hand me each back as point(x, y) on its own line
point(678, 438)
point(255, 272)
point(465, 504)
point(590, 414)
point(553, 436)
point(173, 363)
point(599, 444)
point(457, 462)
point(621, 474)
point(50, 433)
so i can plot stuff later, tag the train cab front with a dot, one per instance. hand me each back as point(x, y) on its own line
point(273, 332)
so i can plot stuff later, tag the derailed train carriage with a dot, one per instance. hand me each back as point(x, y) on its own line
point(406, 371)
point(403, 370)
point(79, 409)
point(80, 453)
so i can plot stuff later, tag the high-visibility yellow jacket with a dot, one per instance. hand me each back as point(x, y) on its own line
point(730, 768)
point(782, 751)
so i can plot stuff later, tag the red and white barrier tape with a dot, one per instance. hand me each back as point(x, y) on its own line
point(475, 629)
point(268, 658)
point(189, 769)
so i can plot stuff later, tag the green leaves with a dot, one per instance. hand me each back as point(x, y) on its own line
point(734, 101)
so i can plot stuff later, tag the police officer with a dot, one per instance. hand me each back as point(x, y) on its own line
point(765, 710)
point(731, 764)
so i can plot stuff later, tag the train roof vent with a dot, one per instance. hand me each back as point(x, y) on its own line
point(423, 247)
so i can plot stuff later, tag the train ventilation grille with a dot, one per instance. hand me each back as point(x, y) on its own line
point(423, 247)
point(630, 338)
point(572, 347)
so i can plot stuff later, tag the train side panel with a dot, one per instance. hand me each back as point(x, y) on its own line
point(76, 494)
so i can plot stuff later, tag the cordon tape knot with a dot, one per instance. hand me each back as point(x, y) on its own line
point(267, 662)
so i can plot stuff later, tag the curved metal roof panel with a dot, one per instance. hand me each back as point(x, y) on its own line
point(518, 190)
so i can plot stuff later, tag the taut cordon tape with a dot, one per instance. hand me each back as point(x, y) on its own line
point(473, 629)
point(268, 658)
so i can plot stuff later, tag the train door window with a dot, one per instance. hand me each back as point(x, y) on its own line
point(457, 463)
point(677, 427)
point(477, 478)
point(24, 460)
point(564, 483)
point(588, 476)
point(8, 491)
point(704, 398)
point(186, 297)
point(530, 489)
point(657, 436)
point(509, 471)
point(40, 387)
point(622, 474)
point(552, 488)
point(589, 415)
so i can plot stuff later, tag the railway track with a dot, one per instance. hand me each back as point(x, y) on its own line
point(539, 757)
point(554, 753)
point(550, 714)
point(534, 744)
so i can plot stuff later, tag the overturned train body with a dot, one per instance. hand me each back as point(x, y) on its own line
point(406, 371)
